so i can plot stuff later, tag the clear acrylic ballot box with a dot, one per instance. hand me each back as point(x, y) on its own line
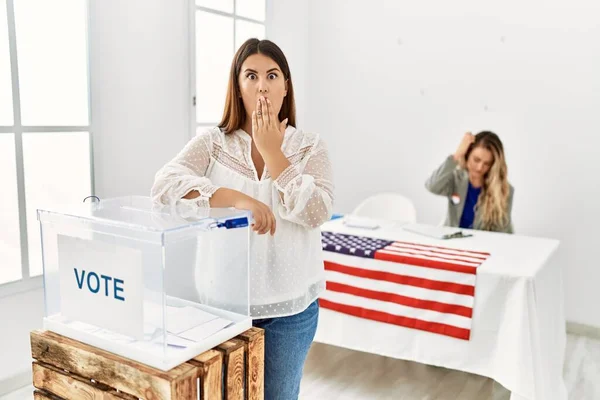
point(158, 285)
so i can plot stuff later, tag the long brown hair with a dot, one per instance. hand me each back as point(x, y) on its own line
point(234, 114)
point(492, 205)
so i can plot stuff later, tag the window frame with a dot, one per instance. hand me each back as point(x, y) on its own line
point(27, 282)
point(194, 124)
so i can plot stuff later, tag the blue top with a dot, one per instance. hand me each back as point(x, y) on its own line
point(468, 215)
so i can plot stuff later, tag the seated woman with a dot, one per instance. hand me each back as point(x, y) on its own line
point(474, 179)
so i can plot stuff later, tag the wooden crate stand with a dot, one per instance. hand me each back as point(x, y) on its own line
point(66, 369)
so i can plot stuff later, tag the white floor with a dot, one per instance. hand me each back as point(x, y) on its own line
point(335, 373)
point(21, 394)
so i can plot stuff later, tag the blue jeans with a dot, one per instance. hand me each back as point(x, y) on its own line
point(287, 341)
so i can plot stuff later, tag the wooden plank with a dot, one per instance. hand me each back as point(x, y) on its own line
point(123, 395)
point(117, 372)
point(233, 368)
point(254, 344)
point(210, 366)
point(70, 386)
point(42, 395)
point(186, 386)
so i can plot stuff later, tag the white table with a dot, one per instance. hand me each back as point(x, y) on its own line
point(518, 332)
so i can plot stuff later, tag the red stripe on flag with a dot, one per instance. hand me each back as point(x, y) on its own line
point(435, 327)
point(443, 248)
point(439, 254)
point(457, 288)
point(420, 262)
point(402, 300)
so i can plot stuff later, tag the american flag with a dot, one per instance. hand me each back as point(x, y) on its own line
point(413, 285)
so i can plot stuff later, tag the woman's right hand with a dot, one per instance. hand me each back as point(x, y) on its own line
point(461, 151)
point(264, 220)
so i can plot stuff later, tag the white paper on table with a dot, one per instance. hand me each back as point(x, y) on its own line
point(437, 232)
point(181, 319)
point(176, 341)
point(201, 332)
point(354, 221)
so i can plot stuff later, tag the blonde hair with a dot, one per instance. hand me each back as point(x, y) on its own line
point(492, 205)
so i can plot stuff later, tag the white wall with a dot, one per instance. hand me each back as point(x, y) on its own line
point(392, 86)
point(140, 90)
point(20, 314)
point(287, 26)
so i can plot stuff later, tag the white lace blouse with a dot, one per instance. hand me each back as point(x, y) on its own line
point(286, 270)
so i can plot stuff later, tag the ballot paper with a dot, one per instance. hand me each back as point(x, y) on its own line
point(180, 319)
point(437, 232)
point(205, 330)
